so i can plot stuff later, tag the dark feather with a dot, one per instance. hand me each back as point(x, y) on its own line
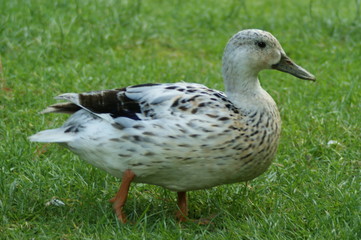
point(113, 101)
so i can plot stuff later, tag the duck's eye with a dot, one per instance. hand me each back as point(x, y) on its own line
point(261, 44)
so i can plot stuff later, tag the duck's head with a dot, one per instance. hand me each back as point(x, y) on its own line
point(250, 51)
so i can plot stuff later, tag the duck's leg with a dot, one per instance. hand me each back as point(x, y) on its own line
point(122, 194)
point(182, 213)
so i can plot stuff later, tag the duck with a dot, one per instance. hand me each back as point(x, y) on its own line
point(181, 136)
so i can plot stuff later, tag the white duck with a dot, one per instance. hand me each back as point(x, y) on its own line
point(181, 136)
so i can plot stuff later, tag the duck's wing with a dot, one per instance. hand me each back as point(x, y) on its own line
point(148, 101)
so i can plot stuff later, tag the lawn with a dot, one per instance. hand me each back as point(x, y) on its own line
point(312, 191)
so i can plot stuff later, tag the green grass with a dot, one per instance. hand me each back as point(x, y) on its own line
point(312, 191)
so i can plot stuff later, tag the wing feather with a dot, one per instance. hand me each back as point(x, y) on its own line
point(147, 101)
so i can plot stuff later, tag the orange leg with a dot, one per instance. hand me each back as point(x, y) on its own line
point(182, 205)
point(122, 194)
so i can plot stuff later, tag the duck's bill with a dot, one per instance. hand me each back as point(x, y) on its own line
point(288, 66)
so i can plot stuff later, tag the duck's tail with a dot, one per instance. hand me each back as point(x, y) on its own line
point(57, 135)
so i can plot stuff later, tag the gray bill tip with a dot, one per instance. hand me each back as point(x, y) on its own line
point(287, 65)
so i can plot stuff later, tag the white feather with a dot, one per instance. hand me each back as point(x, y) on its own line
point(52, 135)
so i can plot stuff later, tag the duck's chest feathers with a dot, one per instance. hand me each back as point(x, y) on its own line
point(256, 140)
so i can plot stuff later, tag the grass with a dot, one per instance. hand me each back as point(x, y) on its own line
point(312, 191)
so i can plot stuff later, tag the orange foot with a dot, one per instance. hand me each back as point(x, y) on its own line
point(182, 213)
point(121, 197)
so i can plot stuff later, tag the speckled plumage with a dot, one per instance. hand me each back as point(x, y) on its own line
point(183, 136)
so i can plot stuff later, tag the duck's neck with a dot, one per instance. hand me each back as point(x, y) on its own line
point(240, 83)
